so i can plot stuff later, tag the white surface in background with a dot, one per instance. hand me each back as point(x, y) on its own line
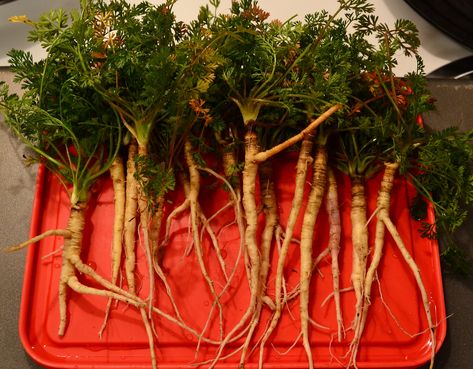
point(436, 50)
point(13, 35)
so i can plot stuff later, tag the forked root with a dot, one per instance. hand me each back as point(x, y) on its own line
point(250, 236)
point(420, 284)
point(79, 287)
point(213, 237)
point(71, 263)
point(359, 255)
point(145, 225)
point(174, 214)
point(382, 209)
point(314, 202)
point(236, 197)
point(269, 202)
point(194, 189)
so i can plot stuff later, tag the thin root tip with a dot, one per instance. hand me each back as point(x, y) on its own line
point(10, 249)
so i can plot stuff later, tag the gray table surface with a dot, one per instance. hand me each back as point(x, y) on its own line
point(455, 107)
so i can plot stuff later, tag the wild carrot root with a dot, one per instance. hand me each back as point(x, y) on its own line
point(269, 202)
point(52, 232)
point(131, 212)
point(175, 213)
point(241, 227)
point(301, 174)
point(240, 222)
point(194, 188)
point(420, 284)
point(165, 241)
point(311, 127)
point(229, 162)
point(147, 318)
point(159, 271)
point(213, 236)
point(71, 262)
point(335, 230)
point(315, 263)
point(135, 206)
point(117, 173)
point(155, 228)
point(310, 216)
point(318, 259)
point(253, 156)
point(382, 209)
point(157, 252)
point(145, 222)
point(360, 243)
point(185, 205)
point(250, 173)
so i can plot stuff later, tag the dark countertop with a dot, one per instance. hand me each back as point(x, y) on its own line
point(455, 107)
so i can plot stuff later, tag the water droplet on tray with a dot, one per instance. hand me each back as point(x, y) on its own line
point(92, 264)
point(206, 303)
point(57, 265)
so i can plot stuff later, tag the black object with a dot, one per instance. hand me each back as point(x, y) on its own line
point(3, 2)
point(458, 69)
point(453, 17)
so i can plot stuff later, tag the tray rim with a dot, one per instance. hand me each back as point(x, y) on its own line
point(29, 267)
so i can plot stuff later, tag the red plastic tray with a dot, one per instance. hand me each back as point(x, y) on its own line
point(385, 343)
